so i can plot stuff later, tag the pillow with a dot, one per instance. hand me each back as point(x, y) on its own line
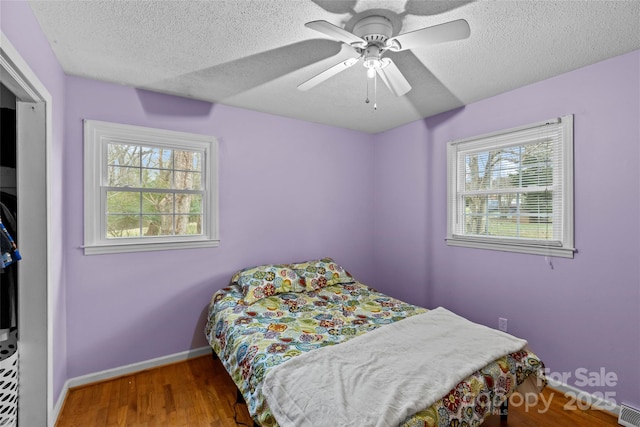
point(266, 280)
point(322, 272)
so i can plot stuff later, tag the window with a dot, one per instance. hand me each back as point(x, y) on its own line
point(148, 189)
point(513, 190)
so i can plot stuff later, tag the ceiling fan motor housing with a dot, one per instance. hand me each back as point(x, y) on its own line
point(374, 29)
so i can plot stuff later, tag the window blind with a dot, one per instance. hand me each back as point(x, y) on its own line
point(510, 186)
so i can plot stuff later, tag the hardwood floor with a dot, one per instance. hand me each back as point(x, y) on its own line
point(552, 409)
point(194, 393)
point(199, 392)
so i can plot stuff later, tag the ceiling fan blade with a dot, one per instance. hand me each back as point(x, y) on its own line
point(450, 31)
point(336, 33)
point(393, 78)
point(330, 72)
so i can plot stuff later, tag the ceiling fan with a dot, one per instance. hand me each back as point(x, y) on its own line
point(371, 39)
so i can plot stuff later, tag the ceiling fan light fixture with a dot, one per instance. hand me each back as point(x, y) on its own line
point(350, 62)
point(371, 72)
point(372, 61)
point(372, 64)
point(384, 62)
point(393, 45)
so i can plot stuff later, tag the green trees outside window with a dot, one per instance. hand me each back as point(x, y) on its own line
point(153, 191)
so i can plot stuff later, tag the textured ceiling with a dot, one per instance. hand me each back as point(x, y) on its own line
point(254, 53)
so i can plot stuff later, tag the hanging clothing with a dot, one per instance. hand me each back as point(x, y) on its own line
point(8, 249)
point(8, 270)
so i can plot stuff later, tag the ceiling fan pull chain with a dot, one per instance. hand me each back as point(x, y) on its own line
point(367, 100)
point(375, 92)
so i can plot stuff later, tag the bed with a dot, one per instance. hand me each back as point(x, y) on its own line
point(273, 314)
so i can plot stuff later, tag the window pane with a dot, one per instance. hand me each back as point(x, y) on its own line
point(475, 224)
point(183, 203)
point(197, 181)
point(157, 158)
point(188, 160)
point(188, 224)
point(540, 202)
point(501, 226)
point(532, 228)
point(475, 171)
point(515, 226)
point(120, 176)
point(123, 226)
point(157, 178)
point(537, 165)
point(507, 168)
point(520, 215)
point(196, 204)
point(187, 180)
point(479, 170)
point(491, 169)
point(123, 202)
point(511, 167)
point(157, 225)
point(123, 155)
point(196, 222)
point(153, 203)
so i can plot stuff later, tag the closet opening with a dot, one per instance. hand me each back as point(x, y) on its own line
point(9, 257)
point(32, 120)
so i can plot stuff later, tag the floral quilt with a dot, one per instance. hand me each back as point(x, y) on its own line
point(251, 339)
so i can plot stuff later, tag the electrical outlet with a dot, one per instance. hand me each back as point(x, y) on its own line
point(502, 324)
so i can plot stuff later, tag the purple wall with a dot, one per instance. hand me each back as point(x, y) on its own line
point(23, 31)
point(585, 313)
point(289, 190)
point(401, 203)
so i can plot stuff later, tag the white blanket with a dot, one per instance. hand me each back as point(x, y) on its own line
point(383, 376)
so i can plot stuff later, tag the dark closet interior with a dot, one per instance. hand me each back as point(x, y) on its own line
point(8, 261)
point(8, 214)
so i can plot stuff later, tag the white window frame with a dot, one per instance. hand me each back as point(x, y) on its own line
point(563, 248)
point(97, 135)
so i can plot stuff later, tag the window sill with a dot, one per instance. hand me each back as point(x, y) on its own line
point(117, 248)
point(555, 251)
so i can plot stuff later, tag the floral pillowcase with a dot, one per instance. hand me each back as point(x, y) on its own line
point(266, 280)
point(320, 273)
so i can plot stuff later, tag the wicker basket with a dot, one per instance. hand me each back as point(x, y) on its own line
point(9, 381)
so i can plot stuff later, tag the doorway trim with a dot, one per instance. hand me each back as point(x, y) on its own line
point(20, 79)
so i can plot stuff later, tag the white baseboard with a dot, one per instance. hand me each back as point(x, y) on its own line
point(582, 398)
point(123, 370)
